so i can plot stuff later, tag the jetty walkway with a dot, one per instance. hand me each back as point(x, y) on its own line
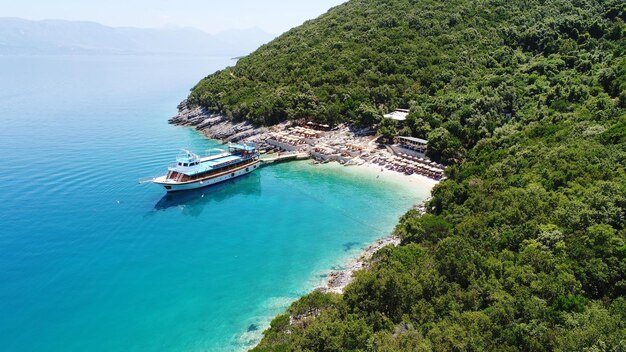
point(277, 158)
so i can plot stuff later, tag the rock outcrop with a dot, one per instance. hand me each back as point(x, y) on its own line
point(215, 126)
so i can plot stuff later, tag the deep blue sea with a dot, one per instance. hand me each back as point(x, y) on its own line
point(90, 260)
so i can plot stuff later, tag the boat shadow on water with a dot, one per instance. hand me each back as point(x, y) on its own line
point(193, 201)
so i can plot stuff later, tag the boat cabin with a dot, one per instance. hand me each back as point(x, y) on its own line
point(190, 167)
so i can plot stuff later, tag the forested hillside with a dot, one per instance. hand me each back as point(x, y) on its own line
point(464, 67)
point(523, 247)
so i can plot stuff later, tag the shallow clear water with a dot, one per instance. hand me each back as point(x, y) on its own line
point(92, 261)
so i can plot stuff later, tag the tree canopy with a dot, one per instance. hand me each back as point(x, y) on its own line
point(465, 68)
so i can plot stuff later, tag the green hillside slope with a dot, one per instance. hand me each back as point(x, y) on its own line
point(524, 246)
point(465, 67)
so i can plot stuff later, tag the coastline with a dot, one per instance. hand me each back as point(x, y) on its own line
point(376, 171)
point(339, 279)
point(215, 126)
point(416, 187)
point(340, 272)
point(220, 127)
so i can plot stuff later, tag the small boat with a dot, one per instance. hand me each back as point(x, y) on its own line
point(192, 171)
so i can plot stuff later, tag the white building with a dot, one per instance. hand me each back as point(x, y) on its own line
point(398, 115)
point(412, 143)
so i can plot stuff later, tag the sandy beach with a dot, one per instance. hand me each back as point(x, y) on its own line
point(412, 181)
point(416, 186)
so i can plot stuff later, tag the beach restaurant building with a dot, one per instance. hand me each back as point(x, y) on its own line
point(412, 143)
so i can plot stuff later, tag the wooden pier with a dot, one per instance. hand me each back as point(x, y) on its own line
point(275, 158)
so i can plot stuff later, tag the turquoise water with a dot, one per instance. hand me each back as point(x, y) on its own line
point(92, 261)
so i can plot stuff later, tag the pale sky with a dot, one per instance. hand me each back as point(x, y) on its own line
point(273, 16)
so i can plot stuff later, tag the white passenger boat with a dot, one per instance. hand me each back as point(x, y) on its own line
point(192, 171)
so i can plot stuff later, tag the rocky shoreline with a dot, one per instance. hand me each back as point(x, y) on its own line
point(339, 279)
point(215, 126)
point(344, 143)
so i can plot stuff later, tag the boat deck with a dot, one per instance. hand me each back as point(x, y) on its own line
point(165, 180)
point(209, 164)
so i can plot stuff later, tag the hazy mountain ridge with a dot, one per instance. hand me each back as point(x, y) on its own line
point(20, 36)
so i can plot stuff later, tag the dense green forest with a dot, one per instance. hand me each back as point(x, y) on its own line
point(465, 68)
point(523, 247)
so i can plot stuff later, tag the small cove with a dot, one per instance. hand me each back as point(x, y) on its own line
point(90, 260)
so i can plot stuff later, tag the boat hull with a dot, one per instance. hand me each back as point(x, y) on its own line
point(186, 186)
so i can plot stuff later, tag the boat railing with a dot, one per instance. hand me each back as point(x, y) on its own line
point(186, 156)
point(187, 159)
